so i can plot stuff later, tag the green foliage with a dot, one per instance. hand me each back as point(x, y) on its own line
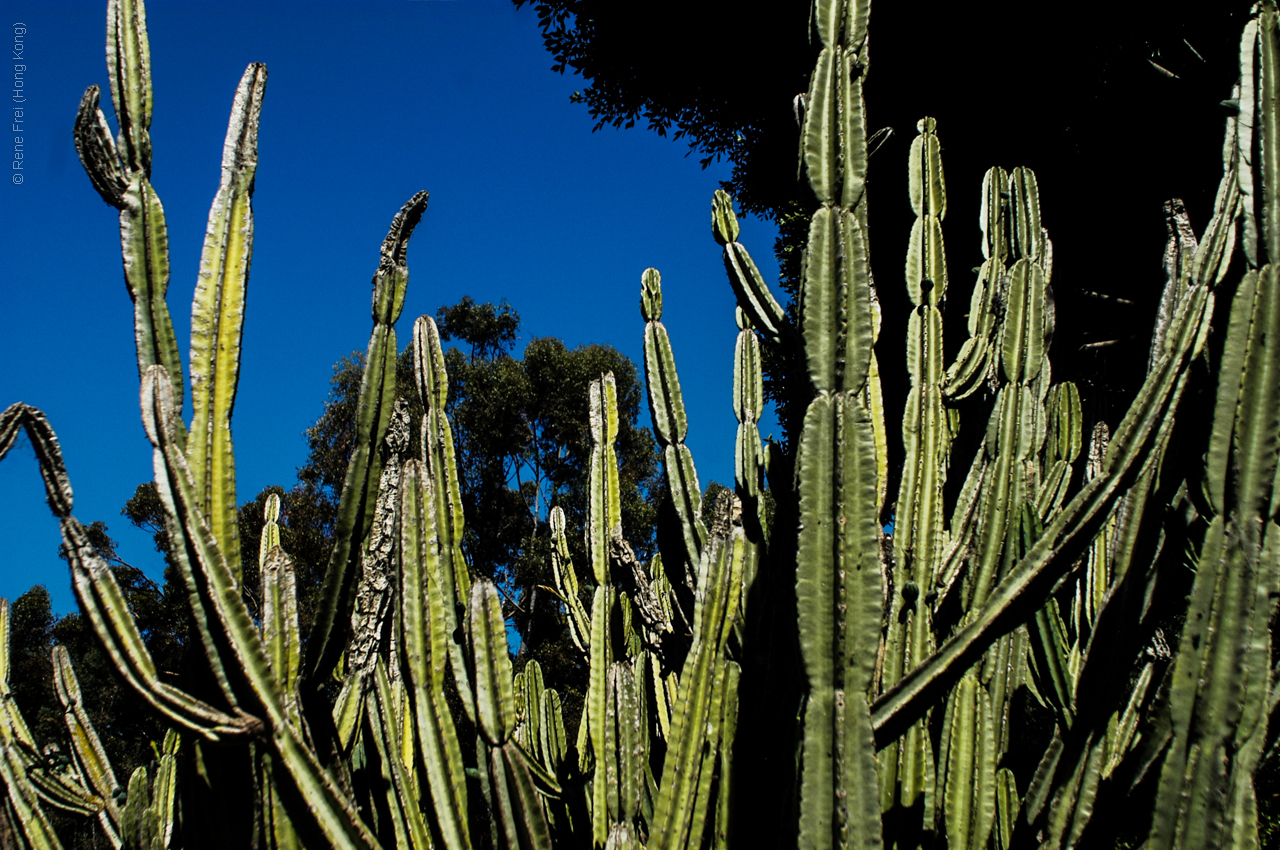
point(682, 89)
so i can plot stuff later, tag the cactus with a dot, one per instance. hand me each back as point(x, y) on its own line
point(910, 657)
point(139, 817)
point(24, 818)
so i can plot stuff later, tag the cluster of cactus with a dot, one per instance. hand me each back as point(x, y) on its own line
point(1040, 580)
point(82, 782)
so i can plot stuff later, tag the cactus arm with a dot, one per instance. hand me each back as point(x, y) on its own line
point(67, 793)
point(627, 725)
point(23, 802)
point(838, 596)
point(402, 802)
point(528, 690)
point(666, 404)
point(821, 308)
point(101, 600)
point(595, 711)
point(1050, 649)
point(377, 394)
point(604, 514)
point(236, 634)
point(1022, 340)
point(217, 316)
point(1268, 116)
point(748, 399)
point(710, 755)
point(969, 762)
point(873, 399)
point(280, 609)
point(129, 69)
point(555, 744)
point(187, 538)
point(453, 581)
point(920, 534)
point(976, 360)
point(57, 486)
point(97, 150)
point(523, 802)
point(820, 145)
point(1245, 423)
point(1069, 813)
point(925, 436)
point(728, 733)
point(99, 595)
point(495, 698)
point(164, 791)
point(121, 174)
point(511, 782)
point(754, 297)
point(578, 621)
point(426, 653)
point(680, 811)
point(1221, 676)
point(90, 755)
point(437, 448)
point(145, 240)
point(136, 825)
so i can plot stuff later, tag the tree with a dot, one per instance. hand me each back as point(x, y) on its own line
point(641, 65)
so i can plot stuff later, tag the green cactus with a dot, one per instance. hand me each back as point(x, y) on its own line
point(670, 423)
point(911, 657)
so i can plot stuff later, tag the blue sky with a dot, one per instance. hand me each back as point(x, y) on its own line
point(366, 104)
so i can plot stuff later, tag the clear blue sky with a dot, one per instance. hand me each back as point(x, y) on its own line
point(366, 103)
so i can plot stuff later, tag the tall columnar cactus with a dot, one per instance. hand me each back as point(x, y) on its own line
point(1020, 584)
point(670, 422)
point(838, 568)
point(907, 768)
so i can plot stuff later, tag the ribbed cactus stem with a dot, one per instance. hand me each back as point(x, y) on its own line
point(217, 317)
point(838, 574)
point(121, 172)
point(1221, 685)
point(670, 423)
point(373, 415)
point(919, 531)
point(604, 525)
point(427, 620)
point(579, 622)
point(90, 755)
point(280, 631)
point(681, 810)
